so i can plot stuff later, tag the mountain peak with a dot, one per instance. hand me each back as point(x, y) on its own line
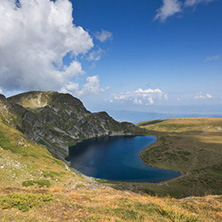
point(32, 99)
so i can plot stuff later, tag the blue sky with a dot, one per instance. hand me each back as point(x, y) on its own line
point(180, 56)
point(138, 55)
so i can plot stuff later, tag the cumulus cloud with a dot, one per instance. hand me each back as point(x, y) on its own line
point(103, 35)
point(1, 92)
point(169, 8)
point(92, 86)
point(35, 37)
point(200, 95)
point(140, 96)
point(210, 58)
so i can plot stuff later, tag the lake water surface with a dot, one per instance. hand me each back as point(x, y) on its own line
point(117, 159)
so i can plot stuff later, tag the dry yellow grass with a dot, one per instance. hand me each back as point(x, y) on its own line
point(99, 203)
point(184, 124)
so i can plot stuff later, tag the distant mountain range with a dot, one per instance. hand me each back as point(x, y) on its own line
point(137, 116)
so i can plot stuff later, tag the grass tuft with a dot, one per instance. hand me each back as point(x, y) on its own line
point(23, 201)
point(40, 183)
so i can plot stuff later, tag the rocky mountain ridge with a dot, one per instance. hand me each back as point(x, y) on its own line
point(58, 120)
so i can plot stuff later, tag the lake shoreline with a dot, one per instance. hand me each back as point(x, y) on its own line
point(150, 169)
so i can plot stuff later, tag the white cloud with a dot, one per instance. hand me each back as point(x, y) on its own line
point(169, 8)
point(92, 86)
point(103, 35)
point(95, 55)
point(210, 58)
point(34, 39)
point(1, 92)
point(148, 91)
point(140, 96)
point(209, 96)
point(201, 96)
point(107, 88)
point(137, 101)
point(189, 3)
point(165, 96)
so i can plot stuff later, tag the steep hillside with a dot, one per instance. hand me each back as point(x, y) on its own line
point(22, 161)
point(9, 114)
point(59, 120)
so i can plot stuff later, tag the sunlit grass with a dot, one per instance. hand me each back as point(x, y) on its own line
point(105, 204)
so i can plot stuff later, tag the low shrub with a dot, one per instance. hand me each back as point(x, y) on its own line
point(23, 201)
point(40, 183)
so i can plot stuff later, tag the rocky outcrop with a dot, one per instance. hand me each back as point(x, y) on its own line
point(58, 120)
point(8, 114)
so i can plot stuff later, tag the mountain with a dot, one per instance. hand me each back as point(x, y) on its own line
point(58, 120)
point(138, 116)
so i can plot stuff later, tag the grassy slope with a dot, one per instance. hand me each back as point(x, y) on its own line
point(192, 146)
point(107, 204)
point(73, 198)
point(22, 159)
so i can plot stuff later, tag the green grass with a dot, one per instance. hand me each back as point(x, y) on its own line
point(192, 146)
point(23, 201)
point(22, 160)
point(53, 175)
point(40, 183)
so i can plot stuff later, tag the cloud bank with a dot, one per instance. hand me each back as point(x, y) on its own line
point(140, 96)
point(35, 37)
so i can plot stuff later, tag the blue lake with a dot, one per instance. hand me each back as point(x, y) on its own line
point(117, 159)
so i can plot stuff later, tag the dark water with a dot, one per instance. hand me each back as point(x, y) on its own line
point(117, 159)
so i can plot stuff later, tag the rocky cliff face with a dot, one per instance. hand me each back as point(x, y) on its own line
point(59, 120)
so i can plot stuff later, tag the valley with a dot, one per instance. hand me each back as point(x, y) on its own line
point(35, 186)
